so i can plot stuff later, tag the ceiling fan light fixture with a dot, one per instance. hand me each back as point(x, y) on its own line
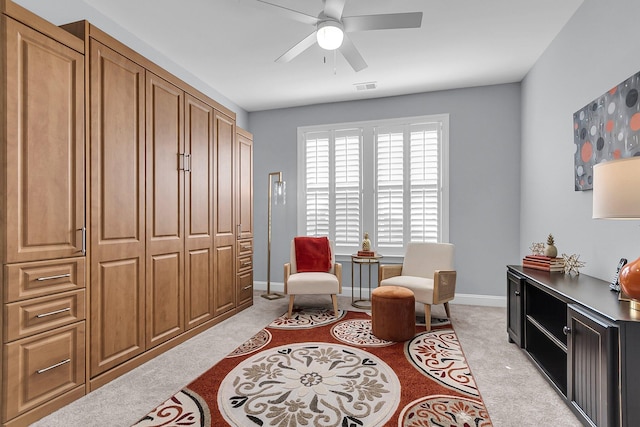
point(330, 35)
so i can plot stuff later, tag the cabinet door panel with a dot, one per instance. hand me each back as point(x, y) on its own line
point(117, 150)
point(245, 186)
point(117, 334)
point(164, 303)
point(225, 233)
point(45, 146)
point(42, 367)
point(592, 382)
point(199, 287)
point(165, 210)
point(199, 261)
point(225, 291)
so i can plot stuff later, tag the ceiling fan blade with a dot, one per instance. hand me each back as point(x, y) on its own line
point(351, 54)
point(388, 21)
point(290, 13)
point(333, 8)
point(305, 44)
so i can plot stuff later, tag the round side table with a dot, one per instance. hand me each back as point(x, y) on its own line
point(364, 303)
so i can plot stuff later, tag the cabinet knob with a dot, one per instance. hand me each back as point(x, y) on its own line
point(566, 330)
point(517, 293)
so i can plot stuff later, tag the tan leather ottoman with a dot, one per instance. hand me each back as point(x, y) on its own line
point(393, 313)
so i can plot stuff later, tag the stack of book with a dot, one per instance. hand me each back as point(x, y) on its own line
point(366, 253)
point(541, 262)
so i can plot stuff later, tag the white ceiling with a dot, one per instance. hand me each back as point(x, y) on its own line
point(232, 44)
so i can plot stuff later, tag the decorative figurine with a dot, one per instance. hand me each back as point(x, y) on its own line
point(550, 250)
point(366, 243)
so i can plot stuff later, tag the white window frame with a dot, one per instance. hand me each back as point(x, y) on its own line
point(367, 177)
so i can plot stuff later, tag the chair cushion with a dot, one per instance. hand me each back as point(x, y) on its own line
point(422, 288)
point(312, 283)
point(423, 258)
point(312, 254)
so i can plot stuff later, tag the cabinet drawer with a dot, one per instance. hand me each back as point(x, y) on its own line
point(245, 286)
point(244, 263)
point(35, 279)
point(245, 247)
point(29, 317)
point(42, 367)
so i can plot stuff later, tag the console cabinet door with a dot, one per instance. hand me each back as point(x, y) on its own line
point(44, 146)
point(117, 208)
point(165, 210)
point(515, 299)
point(199, 253)
point(592, 355)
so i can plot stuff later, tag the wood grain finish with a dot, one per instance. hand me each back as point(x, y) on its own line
point(38, 278)
point(26, 318)
point(199, 253)
point(45, 146)
point(225, 233)
point(117, 150)
point(165, 210)
point(244, 192)
point(42, 367)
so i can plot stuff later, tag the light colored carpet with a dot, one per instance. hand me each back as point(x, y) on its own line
point(514, 392)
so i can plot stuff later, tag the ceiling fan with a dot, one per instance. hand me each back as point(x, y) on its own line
point(332, 28)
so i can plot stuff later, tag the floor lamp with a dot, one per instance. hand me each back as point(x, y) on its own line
point(279, 195)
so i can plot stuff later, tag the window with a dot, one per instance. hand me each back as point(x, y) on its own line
point(388, 178)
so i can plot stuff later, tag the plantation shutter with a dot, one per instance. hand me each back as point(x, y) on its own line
point(317, 183)
point(388, 178)
point(390, 188)
point(347, 187)
point(424, 183)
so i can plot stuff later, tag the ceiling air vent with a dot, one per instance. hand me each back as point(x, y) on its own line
point(366, 86)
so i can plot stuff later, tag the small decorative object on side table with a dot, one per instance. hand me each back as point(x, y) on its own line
point(369, 260)
point(366, 247)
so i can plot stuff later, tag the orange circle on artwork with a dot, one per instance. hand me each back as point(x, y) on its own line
point(586, 152)
point(575, 125)
point(616, 154)
point(609, 125)
point(634, 123)
point(613, 90)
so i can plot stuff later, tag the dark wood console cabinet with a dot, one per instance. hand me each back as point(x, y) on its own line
point(582, 338)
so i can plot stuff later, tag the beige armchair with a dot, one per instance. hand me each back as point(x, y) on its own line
point(428, 271)
point(312, 283)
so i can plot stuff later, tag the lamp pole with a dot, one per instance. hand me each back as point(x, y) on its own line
point(280, 196)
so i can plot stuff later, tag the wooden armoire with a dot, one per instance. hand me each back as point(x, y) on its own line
point(127, 212)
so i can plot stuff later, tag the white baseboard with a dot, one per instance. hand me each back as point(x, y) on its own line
point(464, 299)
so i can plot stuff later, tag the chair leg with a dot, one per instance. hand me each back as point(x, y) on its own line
point(291, 298)
point(334, 298)
point(446, 310)
point(427, 316)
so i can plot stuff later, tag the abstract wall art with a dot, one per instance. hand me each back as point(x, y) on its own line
point(605, 129)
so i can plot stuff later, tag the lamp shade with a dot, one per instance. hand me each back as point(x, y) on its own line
point(329, 35)
point(616, 189)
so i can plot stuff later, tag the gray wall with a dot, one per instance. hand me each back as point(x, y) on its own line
point(597, 49)
point(484, 175)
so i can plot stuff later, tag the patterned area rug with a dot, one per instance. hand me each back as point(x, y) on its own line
point(318, 370)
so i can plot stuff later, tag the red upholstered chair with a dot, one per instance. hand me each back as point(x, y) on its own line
point(312, 283)
point(428, 271)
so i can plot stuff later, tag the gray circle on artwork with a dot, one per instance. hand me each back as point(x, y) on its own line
point(580, 170)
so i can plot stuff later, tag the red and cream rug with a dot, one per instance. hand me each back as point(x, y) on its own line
point(318, 370)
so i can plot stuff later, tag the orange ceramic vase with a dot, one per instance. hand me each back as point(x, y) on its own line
point(630, 279)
